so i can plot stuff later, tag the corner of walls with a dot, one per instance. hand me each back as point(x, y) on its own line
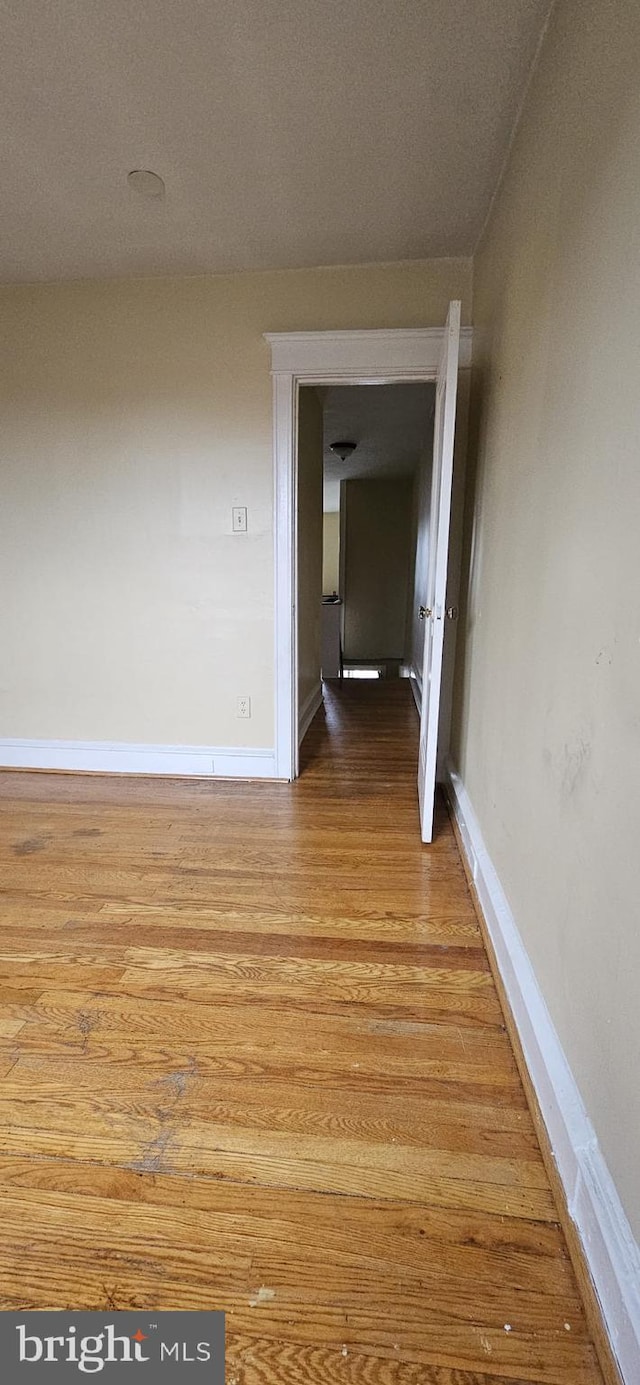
point(610, 1250)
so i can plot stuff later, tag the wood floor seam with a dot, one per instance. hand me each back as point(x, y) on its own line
point(252, 1038)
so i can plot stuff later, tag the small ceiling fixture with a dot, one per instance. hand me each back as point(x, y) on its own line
point(343, 449)
point(146, 183)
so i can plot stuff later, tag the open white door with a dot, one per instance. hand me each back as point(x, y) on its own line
point(433, 612)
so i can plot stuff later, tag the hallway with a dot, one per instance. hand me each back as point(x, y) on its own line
point(253, 1058)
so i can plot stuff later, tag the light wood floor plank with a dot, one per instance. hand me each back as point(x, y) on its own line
point(252, 1056)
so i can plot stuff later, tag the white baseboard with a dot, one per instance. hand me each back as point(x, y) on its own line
point(113, 757)
point(611, 1252)
point(310, 706)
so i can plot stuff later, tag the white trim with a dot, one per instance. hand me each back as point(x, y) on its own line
point(114, 757)
point(415, 679)
point(310, 706)
point(285, 430)
point(333, 356)
point(312, 358)
point(444, 433)
point(611, 1252)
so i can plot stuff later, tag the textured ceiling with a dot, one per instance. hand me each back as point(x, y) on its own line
point(289, 132)
point(389, 423)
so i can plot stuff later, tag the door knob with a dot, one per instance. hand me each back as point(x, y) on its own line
point(424, 612)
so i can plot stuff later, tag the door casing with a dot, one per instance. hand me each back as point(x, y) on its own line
point(377, 357)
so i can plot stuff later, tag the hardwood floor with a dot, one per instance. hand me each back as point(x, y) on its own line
point(253, 1058)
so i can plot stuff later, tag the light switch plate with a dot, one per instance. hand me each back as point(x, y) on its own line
point(239, 519)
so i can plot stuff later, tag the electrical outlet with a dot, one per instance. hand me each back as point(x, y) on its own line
point(244, 707)
point(239, 519)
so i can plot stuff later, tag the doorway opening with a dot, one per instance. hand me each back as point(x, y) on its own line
point(377, 450)
point(356, 358)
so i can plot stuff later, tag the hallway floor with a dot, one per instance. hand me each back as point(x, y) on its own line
point(253, 1058)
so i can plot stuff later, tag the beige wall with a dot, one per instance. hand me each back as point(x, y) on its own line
point(547, 718)
point(134, 415)
point(309, 544)
point(378, 560)
point(331, 552)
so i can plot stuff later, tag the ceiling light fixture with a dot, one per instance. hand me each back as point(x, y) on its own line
point(146, 183)
point(343, 450)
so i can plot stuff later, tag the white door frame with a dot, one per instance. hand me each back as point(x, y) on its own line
point(381, 357)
